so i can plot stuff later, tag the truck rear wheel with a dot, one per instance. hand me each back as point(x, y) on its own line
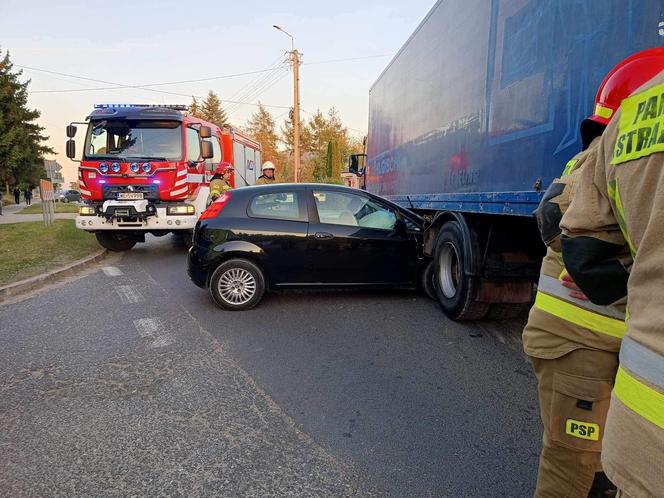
point(116, 241)
point(455, 289)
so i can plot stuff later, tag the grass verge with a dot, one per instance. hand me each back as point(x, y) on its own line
point(60, 207)
point(29, 249)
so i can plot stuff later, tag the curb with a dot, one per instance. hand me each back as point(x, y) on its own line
point(33, 283)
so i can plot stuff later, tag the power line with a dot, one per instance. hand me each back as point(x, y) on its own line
point(197, 80)
point(246, 92)
point(120, 85)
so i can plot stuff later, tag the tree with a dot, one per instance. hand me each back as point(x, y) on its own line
point(21, 139)
point(324, 146)
point(212, 111)
point(195, 108)
point(261, 127)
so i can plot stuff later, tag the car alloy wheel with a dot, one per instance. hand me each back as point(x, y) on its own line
point(237, 286)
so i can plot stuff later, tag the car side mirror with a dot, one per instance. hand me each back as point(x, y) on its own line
point(400, 226)
point(206, 150)
point(356, 163)
point(205, 132)
point(71, 149)
point(71, 131)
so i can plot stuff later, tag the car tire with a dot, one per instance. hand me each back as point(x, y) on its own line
point(116, 242)
point(237, 285)
point(455, 290)
point(65, 200)
point(428, 281)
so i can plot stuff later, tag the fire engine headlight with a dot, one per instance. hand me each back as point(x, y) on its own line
point(86, 211)
point(134, 167)
point(181, 210)
point(115, 167)
point(103, 167)
point(146, 167)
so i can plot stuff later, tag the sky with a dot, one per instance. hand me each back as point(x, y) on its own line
point(145, 42)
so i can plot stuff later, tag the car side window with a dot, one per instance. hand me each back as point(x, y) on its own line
point(276, 206)
point(340, 208)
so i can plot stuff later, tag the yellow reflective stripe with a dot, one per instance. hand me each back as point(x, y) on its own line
point(603, 112)
point(569, 166)
point(641, 127)
point(614, 194)
point(640, 398)
point(579, 316)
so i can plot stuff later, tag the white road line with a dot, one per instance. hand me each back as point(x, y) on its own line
point(112, 271)
point(147, 327)
point(128, 295)
point(152, 328)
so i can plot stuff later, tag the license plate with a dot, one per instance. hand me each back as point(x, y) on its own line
point(130, 196)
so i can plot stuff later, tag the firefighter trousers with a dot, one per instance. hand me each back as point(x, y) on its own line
point(574, 393)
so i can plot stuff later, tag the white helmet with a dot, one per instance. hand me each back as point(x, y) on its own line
point(268, 165)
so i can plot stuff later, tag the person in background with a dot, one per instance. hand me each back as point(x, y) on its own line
point(268, 176)
point(28, 196)
point(221, 181)
point(17, 195)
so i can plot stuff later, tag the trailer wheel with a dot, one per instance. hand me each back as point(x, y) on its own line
point(428, 281)
point(237, 285)
point(115, 241)
point(455, 290)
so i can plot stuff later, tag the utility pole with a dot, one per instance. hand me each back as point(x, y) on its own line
point(294, 58)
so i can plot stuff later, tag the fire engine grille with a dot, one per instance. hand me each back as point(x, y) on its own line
point(150, 192)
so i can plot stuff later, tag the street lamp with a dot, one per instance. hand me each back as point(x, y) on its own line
point(295, 61)
point(292, 40)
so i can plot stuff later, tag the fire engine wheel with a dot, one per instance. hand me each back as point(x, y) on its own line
point(428, 281)
point(455, 289)
point(116, 241)
point(237, 285)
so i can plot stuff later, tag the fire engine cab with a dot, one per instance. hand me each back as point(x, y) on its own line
point(147, 168)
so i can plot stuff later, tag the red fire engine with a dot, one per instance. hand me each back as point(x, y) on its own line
point(147, 169)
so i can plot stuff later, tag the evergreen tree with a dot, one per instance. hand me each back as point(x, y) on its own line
point(21, 139)
point(212, 111)
point(261, 127)
point(195, 108)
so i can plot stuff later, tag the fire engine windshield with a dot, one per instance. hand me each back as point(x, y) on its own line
point(134, 139)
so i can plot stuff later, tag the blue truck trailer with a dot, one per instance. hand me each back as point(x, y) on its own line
point(475, 116)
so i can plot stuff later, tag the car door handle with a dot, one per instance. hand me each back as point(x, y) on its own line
point(323, 235)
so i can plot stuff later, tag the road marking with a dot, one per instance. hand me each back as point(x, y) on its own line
point(112, 271)
point(128, 295)
point(152, 328)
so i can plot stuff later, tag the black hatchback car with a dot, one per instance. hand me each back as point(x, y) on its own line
point(304, 235)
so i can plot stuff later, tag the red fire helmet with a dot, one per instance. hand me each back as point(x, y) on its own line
point(223, 167)
point(624, 79)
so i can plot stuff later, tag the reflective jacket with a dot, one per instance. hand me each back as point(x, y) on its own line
point(559, 323)
point(218, 186)
point(624, 189)
point(264, 180)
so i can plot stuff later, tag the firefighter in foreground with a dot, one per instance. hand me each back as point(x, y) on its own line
point(267, 177)
point(572, 344)
point(221, 181)
point(623, 188)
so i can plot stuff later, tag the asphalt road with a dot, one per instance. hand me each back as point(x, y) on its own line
point(129, 381)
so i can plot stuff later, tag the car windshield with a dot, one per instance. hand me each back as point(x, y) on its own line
point(134, 139)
